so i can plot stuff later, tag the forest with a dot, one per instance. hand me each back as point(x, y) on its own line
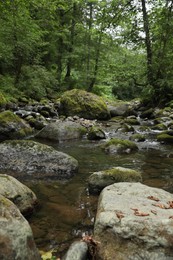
point(116, 49)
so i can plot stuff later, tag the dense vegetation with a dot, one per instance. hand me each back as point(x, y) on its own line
point(110, 47)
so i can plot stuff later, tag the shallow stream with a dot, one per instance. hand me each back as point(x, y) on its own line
point(67, 211)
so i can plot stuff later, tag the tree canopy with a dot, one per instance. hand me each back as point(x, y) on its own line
point(114, 48)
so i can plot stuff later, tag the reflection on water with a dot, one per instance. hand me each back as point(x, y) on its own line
point(67, 211)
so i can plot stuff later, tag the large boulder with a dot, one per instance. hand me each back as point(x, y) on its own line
point(12, 126)
point(119, 146)
point(16, 238)
point(31, 160)
point(62, 130)
point(119, 109)
point(134, 221)
point(18, 193)
point(99, 180)
point(83, 104)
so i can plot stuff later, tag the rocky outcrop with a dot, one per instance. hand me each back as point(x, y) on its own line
point(62, 130)
point(99, 180)
point(18, 193)
point(83, 104)
point(12, 126)
point(134, 221)
point(31, 160)
point(16, 238)
point(119, 146)
point(96, 133)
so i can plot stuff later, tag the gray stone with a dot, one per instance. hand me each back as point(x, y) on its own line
point(62, 130)
point(16, 238)
point(18, 193)
point(124, 233)
point(32, 160)
point(77, 251)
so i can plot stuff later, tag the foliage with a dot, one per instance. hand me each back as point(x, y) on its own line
point(112, 48)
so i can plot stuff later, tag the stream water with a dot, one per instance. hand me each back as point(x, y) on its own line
point(67, 211)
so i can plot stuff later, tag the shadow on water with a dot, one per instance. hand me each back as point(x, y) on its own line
point(67, 210)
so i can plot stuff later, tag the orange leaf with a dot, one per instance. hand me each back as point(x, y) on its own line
point(162, 206)
point(141, 214)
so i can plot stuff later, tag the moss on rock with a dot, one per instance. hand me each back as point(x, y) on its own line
point(83, 104)
point(12, 126)
point(115, 145)
point(3, 101)
point(165, 138)
point(99, 180)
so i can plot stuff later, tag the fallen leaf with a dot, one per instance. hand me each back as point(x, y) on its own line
point(162, 206)
point(170, 203)
point(171, 217)
point(141, 214)
point(153, 198)
point(120, 215)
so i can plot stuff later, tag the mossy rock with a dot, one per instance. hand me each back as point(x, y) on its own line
point(165, 138)
point(116, 146)
point(159, 127)
point(99, 180)
point(132, 121)
point(83, 104)
point(96, 133)
point(3, 101)
point(12, 126)
point(137, 138)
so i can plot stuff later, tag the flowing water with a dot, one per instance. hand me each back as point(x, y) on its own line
point(67, 211)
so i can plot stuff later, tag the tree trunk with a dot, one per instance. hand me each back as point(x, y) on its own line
point(71, 46)
point(89, 44)
point(147, 43)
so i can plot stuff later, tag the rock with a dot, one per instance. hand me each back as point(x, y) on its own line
point(114, 146)
point(160, 127)
point(77, 251)
point(12, 126)
point(132, 121)
point(137, 137)
point(62, 130)
point(18, 193)
point(96, 133)
point(99, 180)
point(83, 104)
point(119, 109)
point(165, 138)
point(149, 113)
point(31, 160)
point(124, 233)
point(16, 238)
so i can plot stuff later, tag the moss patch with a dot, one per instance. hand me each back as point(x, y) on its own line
point(83, 104)
point(3, 101)
point(8, 117)
point(165, 138)
point(121, 143)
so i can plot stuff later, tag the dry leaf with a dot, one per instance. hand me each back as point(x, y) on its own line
point(119, 215)
point(153, 198)
point(171, 217)
point(162, 206)
point(141, 214)
point(170, 203)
